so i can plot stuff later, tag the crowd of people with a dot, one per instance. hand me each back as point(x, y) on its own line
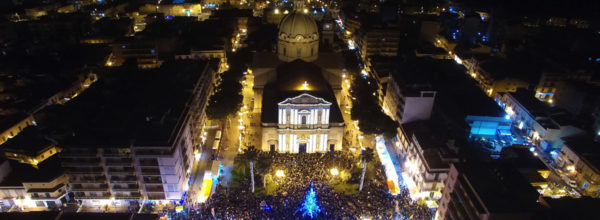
point(300, 170)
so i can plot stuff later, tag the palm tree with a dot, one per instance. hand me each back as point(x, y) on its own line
point(251, 154)
point(366, 157)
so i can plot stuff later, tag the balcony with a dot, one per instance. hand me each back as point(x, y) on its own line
point(153, 152)
point(152, 180)
point(119, 162)
point(41, 197)
point(76, 162)
point(81, 188)
point(130, 187)
point(150, 172)
point(70, 153)
point(88, 179)
point(154, 189)
point(156, 196)
point(123, 179)
point(135, 196)
point(124, 170)
point(121, 153)
point(46, 190)
point(98, 196)
point(148, 162)
point(84, 170)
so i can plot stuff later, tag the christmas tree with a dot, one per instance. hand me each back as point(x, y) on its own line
point(310, 206)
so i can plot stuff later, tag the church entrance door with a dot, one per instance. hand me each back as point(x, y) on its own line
point(302, 148)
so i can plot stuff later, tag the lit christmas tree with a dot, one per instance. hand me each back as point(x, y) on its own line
point(310, 206)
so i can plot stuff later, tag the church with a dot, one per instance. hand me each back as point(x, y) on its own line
point(297, 89)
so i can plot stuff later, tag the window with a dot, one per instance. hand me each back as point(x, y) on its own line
point(312, 51)
point(284, 52)
point(171, 188)
point(299, 52)
point(303, 120)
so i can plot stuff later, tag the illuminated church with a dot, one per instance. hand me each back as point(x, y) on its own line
point(297, 90)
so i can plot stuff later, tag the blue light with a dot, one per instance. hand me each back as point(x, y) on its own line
point(507, 117)
point(314, 11)
point(323, 9)
point(598, 59)
point(451, 9)
point(553, 153)
point(482, 18)
point(532, 149)
point(310, 206)
point(152, 51)
point(183, 197)
point(100, 1)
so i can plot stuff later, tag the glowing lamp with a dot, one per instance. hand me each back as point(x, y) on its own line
point(334, 171)
point(279, 173)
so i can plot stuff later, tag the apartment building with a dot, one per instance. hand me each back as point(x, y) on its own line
point(485, 192)
point(378, 40)
point(550, 81)
point(427, 157)
point(408, 102)
point(139, 144)
point(579, 160)
point(144, 54)
point(27, 188)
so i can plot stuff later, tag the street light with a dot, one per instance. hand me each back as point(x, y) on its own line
point(279, 173)
point(334, 171)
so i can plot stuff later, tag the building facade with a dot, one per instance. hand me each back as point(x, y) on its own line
point(579, 163)
point(303, 127)
point(147, 168)
point(408, 103)
point(485, 192)
point(427, 160)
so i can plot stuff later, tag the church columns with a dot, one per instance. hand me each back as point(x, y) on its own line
point(282, 143)
point(293, 148)
point(323, 143)
point(280, 114)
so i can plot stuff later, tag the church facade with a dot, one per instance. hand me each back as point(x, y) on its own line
point(303, 126)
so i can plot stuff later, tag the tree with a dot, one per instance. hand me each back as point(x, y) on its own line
point(366, 157)
point(368, 112)
point(251, 154)
point(226, 100)
point(310, 206)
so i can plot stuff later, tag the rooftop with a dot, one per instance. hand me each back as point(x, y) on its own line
point(290, 77)
point(527, 99)
point(125, 107)
point(500, 187)
point(432, 140)
point(571, 208)
point(47, 170)
point(30, 141)
point(587, 149)
point(458, 99)
point(522, 158)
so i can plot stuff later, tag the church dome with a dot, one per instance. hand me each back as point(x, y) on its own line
point(298, 24)
point(298, 38)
